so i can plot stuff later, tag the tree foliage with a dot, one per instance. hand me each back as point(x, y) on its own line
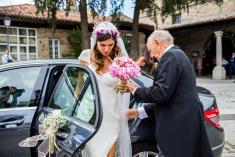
point(51, 7)
point(139, 5)
point(117, 6)
point(75, 42)
point(97, 7)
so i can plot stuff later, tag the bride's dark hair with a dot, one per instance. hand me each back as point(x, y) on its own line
point(98, 57)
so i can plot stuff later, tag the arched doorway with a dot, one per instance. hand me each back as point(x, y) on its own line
point(228, 46)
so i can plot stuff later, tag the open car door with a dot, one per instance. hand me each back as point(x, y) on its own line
point(77, 95)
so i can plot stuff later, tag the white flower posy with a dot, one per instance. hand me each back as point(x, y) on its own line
point(53, 120)
point(47, 129)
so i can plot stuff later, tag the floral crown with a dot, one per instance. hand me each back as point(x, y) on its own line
point(105, 28)
point(114, 33)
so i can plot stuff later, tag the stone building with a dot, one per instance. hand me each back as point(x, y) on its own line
point(207, 32)
point(31, 38)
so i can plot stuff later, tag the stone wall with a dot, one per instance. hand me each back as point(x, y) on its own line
point(43, 36)
point(204, 12)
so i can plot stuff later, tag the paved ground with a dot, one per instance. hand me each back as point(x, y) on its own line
point(229, 128)
point(224, 90)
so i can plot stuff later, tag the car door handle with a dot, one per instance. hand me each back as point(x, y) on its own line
point(12, 121)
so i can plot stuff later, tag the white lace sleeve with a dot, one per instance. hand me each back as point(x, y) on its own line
point(85, 56)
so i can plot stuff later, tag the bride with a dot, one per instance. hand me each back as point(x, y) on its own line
point(113, 136)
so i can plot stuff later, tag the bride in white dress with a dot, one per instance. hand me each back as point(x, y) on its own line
point(113, 136)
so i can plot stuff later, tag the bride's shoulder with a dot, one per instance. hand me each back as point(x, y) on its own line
point(85, 53)
point(85, 56)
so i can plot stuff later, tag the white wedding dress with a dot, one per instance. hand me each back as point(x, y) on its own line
point(114, 126)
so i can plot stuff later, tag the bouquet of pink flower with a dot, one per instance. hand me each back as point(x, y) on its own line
point(123, 68)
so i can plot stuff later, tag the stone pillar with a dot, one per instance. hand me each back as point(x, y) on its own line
point(219, 72)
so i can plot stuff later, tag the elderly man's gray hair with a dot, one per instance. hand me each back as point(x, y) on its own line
point(162, 35)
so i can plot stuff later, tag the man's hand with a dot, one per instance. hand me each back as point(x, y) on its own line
point(132, 113)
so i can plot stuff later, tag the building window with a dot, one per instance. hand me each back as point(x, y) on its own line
point(22, 42)
point(54, 48)
point(176, 18)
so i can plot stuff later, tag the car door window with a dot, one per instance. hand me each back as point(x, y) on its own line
point(16, 86)
point(85, 109)
point(77, 78)
point(68, 90)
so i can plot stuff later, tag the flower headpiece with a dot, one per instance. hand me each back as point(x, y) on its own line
point(105, 28)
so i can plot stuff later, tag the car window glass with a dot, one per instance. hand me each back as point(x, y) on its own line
point(16, 86)
point(76, 78)
point(85, 110)
point(68, 90)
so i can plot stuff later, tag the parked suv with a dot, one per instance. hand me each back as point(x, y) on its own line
point(31, 88)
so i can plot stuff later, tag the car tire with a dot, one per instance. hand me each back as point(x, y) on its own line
point(145, 149)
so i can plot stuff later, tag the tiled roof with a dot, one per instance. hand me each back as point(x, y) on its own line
point(28, 12)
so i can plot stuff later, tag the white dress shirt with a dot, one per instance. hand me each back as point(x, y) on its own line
point(141, 110)
point(5, 58)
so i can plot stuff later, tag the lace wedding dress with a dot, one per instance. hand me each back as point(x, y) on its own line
point(114, 126)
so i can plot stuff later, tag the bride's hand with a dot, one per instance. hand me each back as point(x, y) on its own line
point(121, 86)
point(132, 113)
point(127, 87)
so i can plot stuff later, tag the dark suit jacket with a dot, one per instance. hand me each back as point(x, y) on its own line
point(180, 130)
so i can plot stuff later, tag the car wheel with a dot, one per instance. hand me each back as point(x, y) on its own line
point(144, 149)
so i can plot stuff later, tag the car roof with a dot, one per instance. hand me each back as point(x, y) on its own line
point(40, 62)
point(147, 82)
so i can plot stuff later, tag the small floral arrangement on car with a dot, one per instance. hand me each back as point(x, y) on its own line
point(49, 125)
point(123, 68)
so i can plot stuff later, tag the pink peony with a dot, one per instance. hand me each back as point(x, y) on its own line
point(124, 68)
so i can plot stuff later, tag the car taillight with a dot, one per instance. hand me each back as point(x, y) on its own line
point(212, 116)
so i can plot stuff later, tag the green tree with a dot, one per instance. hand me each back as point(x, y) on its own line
point(51, 7)
point(139, 5)
point(75, 42)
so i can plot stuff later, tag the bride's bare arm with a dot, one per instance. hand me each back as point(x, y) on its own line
point(141, 61)
point(84, 62)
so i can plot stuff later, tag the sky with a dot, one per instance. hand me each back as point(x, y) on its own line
point(127, 10)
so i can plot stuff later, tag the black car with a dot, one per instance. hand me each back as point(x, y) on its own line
point(31, 88)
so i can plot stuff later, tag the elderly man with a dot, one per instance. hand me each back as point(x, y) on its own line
point(180, 130)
